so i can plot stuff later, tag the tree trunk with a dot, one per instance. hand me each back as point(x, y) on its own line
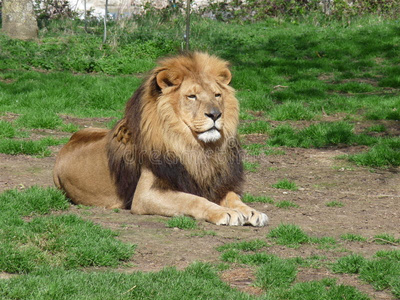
point(19, 20)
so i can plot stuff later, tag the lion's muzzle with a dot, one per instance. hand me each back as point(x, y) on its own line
point(210, 136)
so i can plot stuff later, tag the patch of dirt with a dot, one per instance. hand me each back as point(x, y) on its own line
point(6, 275)
point(326, 77)
point(371, 81)
point(9, 117)
point(7, 81)
point(371, 200)
point(392, 127)
point(242, 279)
point(23, 171)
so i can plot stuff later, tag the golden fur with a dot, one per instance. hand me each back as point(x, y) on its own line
point(175, 152)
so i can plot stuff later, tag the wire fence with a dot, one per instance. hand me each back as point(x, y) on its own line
point(124, 43)
point(98, 13)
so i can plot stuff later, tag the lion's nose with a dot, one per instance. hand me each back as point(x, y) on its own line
point(214, 114)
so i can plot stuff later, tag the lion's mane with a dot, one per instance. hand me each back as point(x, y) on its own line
point(151, 135)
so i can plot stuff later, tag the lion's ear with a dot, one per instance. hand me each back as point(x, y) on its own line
point(225, 76)
point(166, 78)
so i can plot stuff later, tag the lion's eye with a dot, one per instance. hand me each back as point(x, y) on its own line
point(192, 97)
point(217, 95)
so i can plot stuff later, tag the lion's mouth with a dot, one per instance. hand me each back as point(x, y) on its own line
point(210, 135)
point(212, 128)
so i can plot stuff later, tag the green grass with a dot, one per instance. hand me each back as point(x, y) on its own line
point(65, 241)
point(198, 281)
point(278, 273)
point(292, 235)
point(277, 276)
point(326, 242)
point(284, 71)
point(289, 235)
point(383, 154)
point(351, 264)
point(386, 238)
point(203, 233)
point(251, 167)
point(69, 127)
point(272, 151)
point(323, 289)
point(286, 204)
point(294, 73)
point(354, 87)
point(182, 222)
point(393, 255)
point(383, 271)
point(35, 200)
point(285, 184)
point(39, 97)
point(30, 147)
point(253, 259)
point(291, 111)
point(39, 120)
point(334, 204)
point(353, 237)
point(317, 136)
point(78, 53)
point(383, 151)
point(377, 128)
point(253, 149)
point(248, 198)
point(390, 112)
point(7, 130)
point(254, 127)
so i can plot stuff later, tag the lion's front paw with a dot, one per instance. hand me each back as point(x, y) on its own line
point(231, 218)
point(257, 218)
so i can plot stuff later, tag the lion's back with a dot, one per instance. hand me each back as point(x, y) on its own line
point(81, 169)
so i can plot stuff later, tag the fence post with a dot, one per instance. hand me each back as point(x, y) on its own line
point(105, 22)
point(187, 24)
point(84, 14)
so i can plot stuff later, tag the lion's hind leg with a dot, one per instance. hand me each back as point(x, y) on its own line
point(253, 217)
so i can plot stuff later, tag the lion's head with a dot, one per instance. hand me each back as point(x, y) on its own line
point(196, 86)
point(182, 123)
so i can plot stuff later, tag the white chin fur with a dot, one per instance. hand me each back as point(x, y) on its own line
point(209, 136)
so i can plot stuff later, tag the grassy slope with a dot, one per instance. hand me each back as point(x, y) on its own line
point(282, 70)
point(286, 71)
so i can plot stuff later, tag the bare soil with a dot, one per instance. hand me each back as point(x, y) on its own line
point(370, 197)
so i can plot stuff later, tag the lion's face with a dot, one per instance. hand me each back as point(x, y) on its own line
point(202, 108)
point(201, 99)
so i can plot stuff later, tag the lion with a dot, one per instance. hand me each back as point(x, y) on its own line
point(175, 151)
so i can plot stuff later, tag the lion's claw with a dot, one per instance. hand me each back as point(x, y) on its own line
point(257, 219)
point(232, 218)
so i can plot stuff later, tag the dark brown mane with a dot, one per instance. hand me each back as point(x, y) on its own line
point(173, 175)
point(127, 154)
point(122, 160)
